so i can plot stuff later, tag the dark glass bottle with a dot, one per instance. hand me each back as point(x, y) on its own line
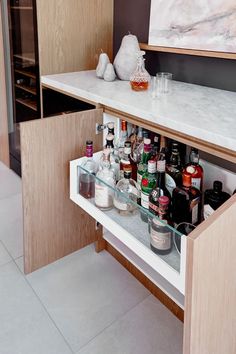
point(126, 162)
point(215, 197)
point(146, 156)
point(174, 169)
point(195, 169)
point(186, 202)
point(160, 189)
point(161, 234)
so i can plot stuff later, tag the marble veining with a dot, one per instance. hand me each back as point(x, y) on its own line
point(195, 24)
point(201, 112)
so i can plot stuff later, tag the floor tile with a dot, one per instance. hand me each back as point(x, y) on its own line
point(4, 255)
point(10, 183)
point(20, 263)
point(11, 224)
point(25, 326)
point(85, 292)
point(149, 328)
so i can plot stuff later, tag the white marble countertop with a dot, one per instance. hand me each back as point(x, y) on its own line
point(201, 112)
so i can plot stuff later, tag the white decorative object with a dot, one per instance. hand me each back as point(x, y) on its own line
point(102, 64)
point(109, 74)
point(196, 24)
point(126, 59)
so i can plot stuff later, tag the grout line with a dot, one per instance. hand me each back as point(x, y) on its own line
point(44, 307)
point(112, 323)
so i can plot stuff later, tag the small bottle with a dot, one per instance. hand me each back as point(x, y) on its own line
point(123, 138)
point(173, 169)
point(161, 234)
point(214, 198)
point(87, 174)
point(146, 156)
point(186, 202)
point(195, 169)
point(126, 161)
point(140, 78)
point(114, 159)
point(127, 195)
point(148, 183)
point(104, 192)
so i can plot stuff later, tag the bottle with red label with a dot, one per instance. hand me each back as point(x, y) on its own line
point(186, 202)
point(195, 169)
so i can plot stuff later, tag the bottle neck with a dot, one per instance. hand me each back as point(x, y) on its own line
point(161, 179)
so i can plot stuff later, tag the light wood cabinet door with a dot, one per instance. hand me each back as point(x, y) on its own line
point(53, 225)
point(210, 296)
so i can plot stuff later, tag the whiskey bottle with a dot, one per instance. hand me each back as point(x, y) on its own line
point(186, 202)
point(195, 169)
point(173, 169)
point(148, 183)
point(87, 173)
point(161, 234)
point(105, 184)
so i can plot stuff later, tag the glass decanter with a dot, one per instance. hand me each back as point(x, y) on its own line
point(140, 78)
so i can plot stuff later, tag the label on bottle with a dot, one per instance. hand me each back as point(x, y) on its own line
point(196, 182)
point(207, 211)
point(103, 196)
point(161, 240)
point(145, 200)
point(139, 178)
point(194, 208)
point(153, 207)
point(170, 183)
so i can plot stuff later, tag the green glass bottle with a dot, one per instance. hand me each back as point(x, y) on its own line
point(146, 155)
point(148, 183)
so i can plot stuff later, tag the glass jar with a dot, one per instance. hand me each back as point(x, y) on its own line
point(140, 78)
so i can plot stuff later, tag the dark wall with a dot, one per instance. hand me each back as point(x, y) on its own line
point(133, 16)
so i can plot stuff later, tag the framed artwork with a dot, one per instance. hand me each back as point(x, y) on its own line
point(208, 25)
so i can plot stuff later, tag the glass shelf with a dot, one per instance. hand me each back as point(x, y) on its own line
point(130, 229)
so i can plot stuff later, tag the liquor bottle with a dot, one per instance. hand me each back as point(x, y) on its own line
point(155, 148)
point(111, 128)
point(127, 195)
point(105, 184)
point(126, 162)
point(146, 155)
point(173, 169)
point(186, 202)
point(148, 183)
point(214, 198)
point(87, 174)
point(160, 189)
point(195, 169)
point(136, 153)
point(123, 138)
point(114, 158)
point(161, 234)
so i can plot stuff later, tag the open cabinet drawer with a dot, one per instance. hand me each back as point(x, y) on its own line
point(132, 231)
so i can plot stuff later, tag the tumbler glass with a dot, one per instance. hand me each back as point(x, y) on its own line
point(163, 82)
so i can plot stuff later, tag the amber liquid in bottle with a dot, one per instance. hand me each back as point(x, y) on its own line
point(139, 86)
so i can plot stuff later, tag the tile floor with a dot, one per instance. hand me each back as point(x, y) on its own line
point(85, 303)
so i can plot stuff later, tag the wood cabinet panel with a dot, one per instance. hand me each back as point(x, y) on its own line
point(53, 225)
point(210, 319)
point(72, 33)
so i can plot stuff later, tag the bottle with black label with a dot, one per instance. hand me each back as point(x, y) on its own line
point(186, 202)
point(214, 198)
point(173, 169)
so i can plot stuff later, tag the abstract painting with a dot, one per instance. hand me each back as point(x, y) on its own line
point(194, 24)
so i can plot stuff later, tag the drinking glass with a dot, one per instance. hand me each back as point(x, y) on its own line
point(184, 228)
point(163, 82)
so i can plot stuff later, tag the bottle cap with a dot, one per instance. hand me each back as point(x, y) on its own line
point(127, 173)
point(156, 139)
point(89, 148)
point(163, 200)
point(110, 125)
point(152, 166)
point(123, 125)
point(175, 146)
point(217, 185)
point(127, 144)
point(187, 179)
